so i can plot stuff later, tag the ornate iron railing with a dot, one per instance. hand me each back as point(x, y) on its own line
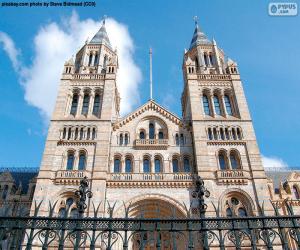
point(104, 227)
point(99, 232)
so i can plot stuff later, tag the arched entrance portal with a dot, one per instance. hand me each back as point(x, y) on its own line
point(150, 239)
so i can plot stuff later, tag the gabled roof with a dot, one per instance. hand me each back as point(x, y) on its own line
point(101, 37)
point(150, 105)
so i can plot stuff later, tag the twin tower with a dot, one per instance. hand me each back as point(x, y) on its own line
point(151, 157)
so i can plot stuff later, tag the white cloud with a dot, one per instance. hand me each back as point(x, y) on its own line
point(10, 48)
point(273, 162)
point(55, 43)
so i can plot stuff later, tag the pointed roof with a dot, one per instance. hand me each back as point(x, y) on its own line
point(101, 37)
point(150, 105)
point(198, 37)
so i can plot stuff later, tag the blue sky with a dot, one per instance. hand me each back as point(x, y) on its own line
point(266, 49)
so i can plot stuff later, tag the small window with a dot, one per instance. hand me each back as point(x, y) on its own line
point(96, 59)
point(175, 166)
point(128, 168)
point(222, 134)
point(234, 161)
point(62, 213)
point(222, 161)
point(215, 134)
point(82, 161)
point(74, 213)
point(233, 133)
point(160, 135)
point(157, 166)
point(69, 133)
point(117, 166)
point(181, 139)
point(64, 133)
point(186, 165)
point(88, 133)
point(81, 134)
point(242, 212)
point(228, 105)
point(90, 58)
point(177, 139)
point(70, 161)
point(69, 202)
point(205, 59)
point(239, 135)
point(94, 134)
point(217, 105)
point(96, 107)
point(146, 166)
point(142, 135)
point(85, 104)
point(151, 131)
point(210, 136)
point(74, 104)
point(76, 134)
point(227, 134)
point(228, 212)
point(206, 105)
point(121, 139)
point(126, 139)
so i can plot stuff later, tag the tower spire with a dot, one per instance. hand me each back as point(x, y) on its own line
point(150, 58)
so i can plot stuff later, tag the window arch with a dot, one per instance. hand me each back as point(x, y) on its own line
point(85, 104)
point(296, 193)
point(128, 165)
point(222, 134)
point(234, 160)
point(228, 105)
point(74, 104)
point(215, 133)
point(205, 59)
point(239, 134)
point(151, 131)
point(96, 107)
point(117, 166)
point(217, 105)
point(222, 161)
point(69, 202)
point(186, 164)
point(70, 160)
point(146, 165)
point(81, 134)
point(157, 165)
point(82, 160)
point(206, 105)
point(175, 165)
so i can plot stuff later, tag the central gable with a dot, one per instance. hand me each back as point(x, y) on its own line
point(149, 106)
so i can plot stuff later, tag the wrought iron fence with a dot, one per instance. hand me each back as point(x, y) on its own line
point(107, 230)
point(109, 233)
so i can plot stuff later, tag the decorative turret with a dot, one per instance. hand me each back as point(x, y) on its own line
point(95, 56)
point(207, 57)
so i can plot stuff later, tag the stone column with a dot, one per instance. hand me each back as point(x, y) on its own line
point(79, 105)
point(211, 103)
point(91, 102)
